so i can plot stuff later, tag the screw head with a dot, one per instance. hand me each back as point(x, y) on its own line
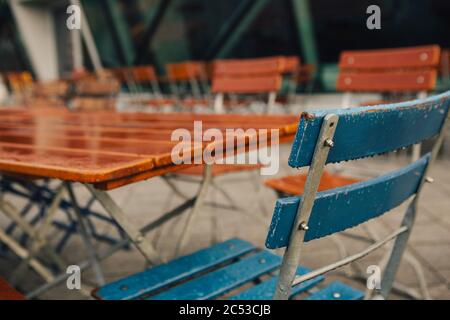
point(139, 239)
point(336, 295)
point(303, 226)
point(329, 143)
point(262, 261)
point(429, 179)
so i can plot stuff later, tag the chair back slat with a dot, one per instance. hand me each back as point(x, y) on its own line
point(291, 65)
point(51, 89)
point(97, 87)
point(389, 70)
point(342, 208)
point(143, 74)
point(249, 67)
point(368, 131)
point(247, 85)
point(185, 71)
point(421, 80)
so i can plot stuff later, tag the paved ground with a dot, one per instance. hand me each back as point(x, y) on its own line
point(145, 201)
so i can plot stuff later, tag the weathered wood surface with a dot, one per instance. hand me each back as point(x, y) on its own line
point(101, 147)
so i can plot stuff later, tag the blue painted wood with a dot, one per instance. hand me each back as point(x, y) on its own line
point(219, 282)
point(337, 291)
point(266, 289)
point(342, 208)
point(368, 131)
point(179, 269)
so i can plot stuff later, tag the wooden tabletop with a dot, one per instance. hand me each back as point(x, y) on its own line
point(107, 149)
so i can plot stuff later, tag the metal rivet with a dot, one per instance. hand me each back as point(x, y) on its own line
point(139, 239)
point(336, 295)
point(348, 80)
point(303, 226)
point(329, 143)
point(124, 287)
point(420, 79)
point(423, 56)
point(231, 246)
point(262, 261)
point(350, 60)
point(429, 179)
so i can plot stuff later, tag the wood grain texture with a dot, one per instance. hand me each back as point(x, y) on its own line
point(410, 57)
point(294, 184)
point(109, 148)
point(389, 70)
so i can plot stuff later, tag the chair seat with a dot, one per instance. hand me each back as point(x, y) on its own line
point(225, 270)
point(295, 184)
point(219, 169)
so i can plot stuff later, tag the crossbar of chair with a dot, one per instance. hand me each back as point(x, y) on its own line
point(351, 258)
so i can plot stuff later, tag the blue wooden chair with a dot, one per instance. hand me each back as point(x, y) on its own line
point(238, 270)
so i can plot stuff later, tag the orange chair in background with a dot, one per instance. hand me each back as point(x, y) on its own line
point(393, 72)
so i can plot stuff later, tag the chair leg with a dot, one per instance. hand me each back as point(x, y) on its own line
point(86, 235)
point(38, 240)
point(185, 234)
point(396, 253)
point(136, 237)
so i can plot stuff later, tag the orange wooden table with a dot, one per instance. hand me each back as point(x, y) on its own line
point(107, 150)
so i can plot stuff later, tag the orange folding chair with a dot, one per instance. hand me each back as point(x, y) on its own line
point(247, 77)
point(95, 94)
point(189, 83)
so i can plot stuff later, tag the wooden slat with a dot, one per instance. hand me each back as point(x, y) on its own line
point(386, 59)
point(295, 184)
point(337, 291)
point(266, 289)
point(368, 131)
point(186, 70)
point(249, 67)
point(247, 85)
point(109, 148)
point(146, 282)
point(219, 282)
point(342, 208)
point(404, 81)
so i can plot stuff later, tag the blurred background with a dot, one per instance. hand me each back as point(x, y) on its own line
point(33, 33)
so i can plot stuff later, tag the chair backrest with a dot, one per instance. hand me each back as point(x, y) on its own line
point(55, 89)
point(97, 87)
point(143, 74)
point(389, 70)
point(349, 134)
point(95, 94)
point(360, 132)
point(19, 81)
point(261, 75)
point(187, 70)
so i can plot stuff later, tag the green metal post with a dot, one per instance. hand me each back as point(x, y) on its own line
point(121, 30)
point(231, 32)
point(305, 31)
